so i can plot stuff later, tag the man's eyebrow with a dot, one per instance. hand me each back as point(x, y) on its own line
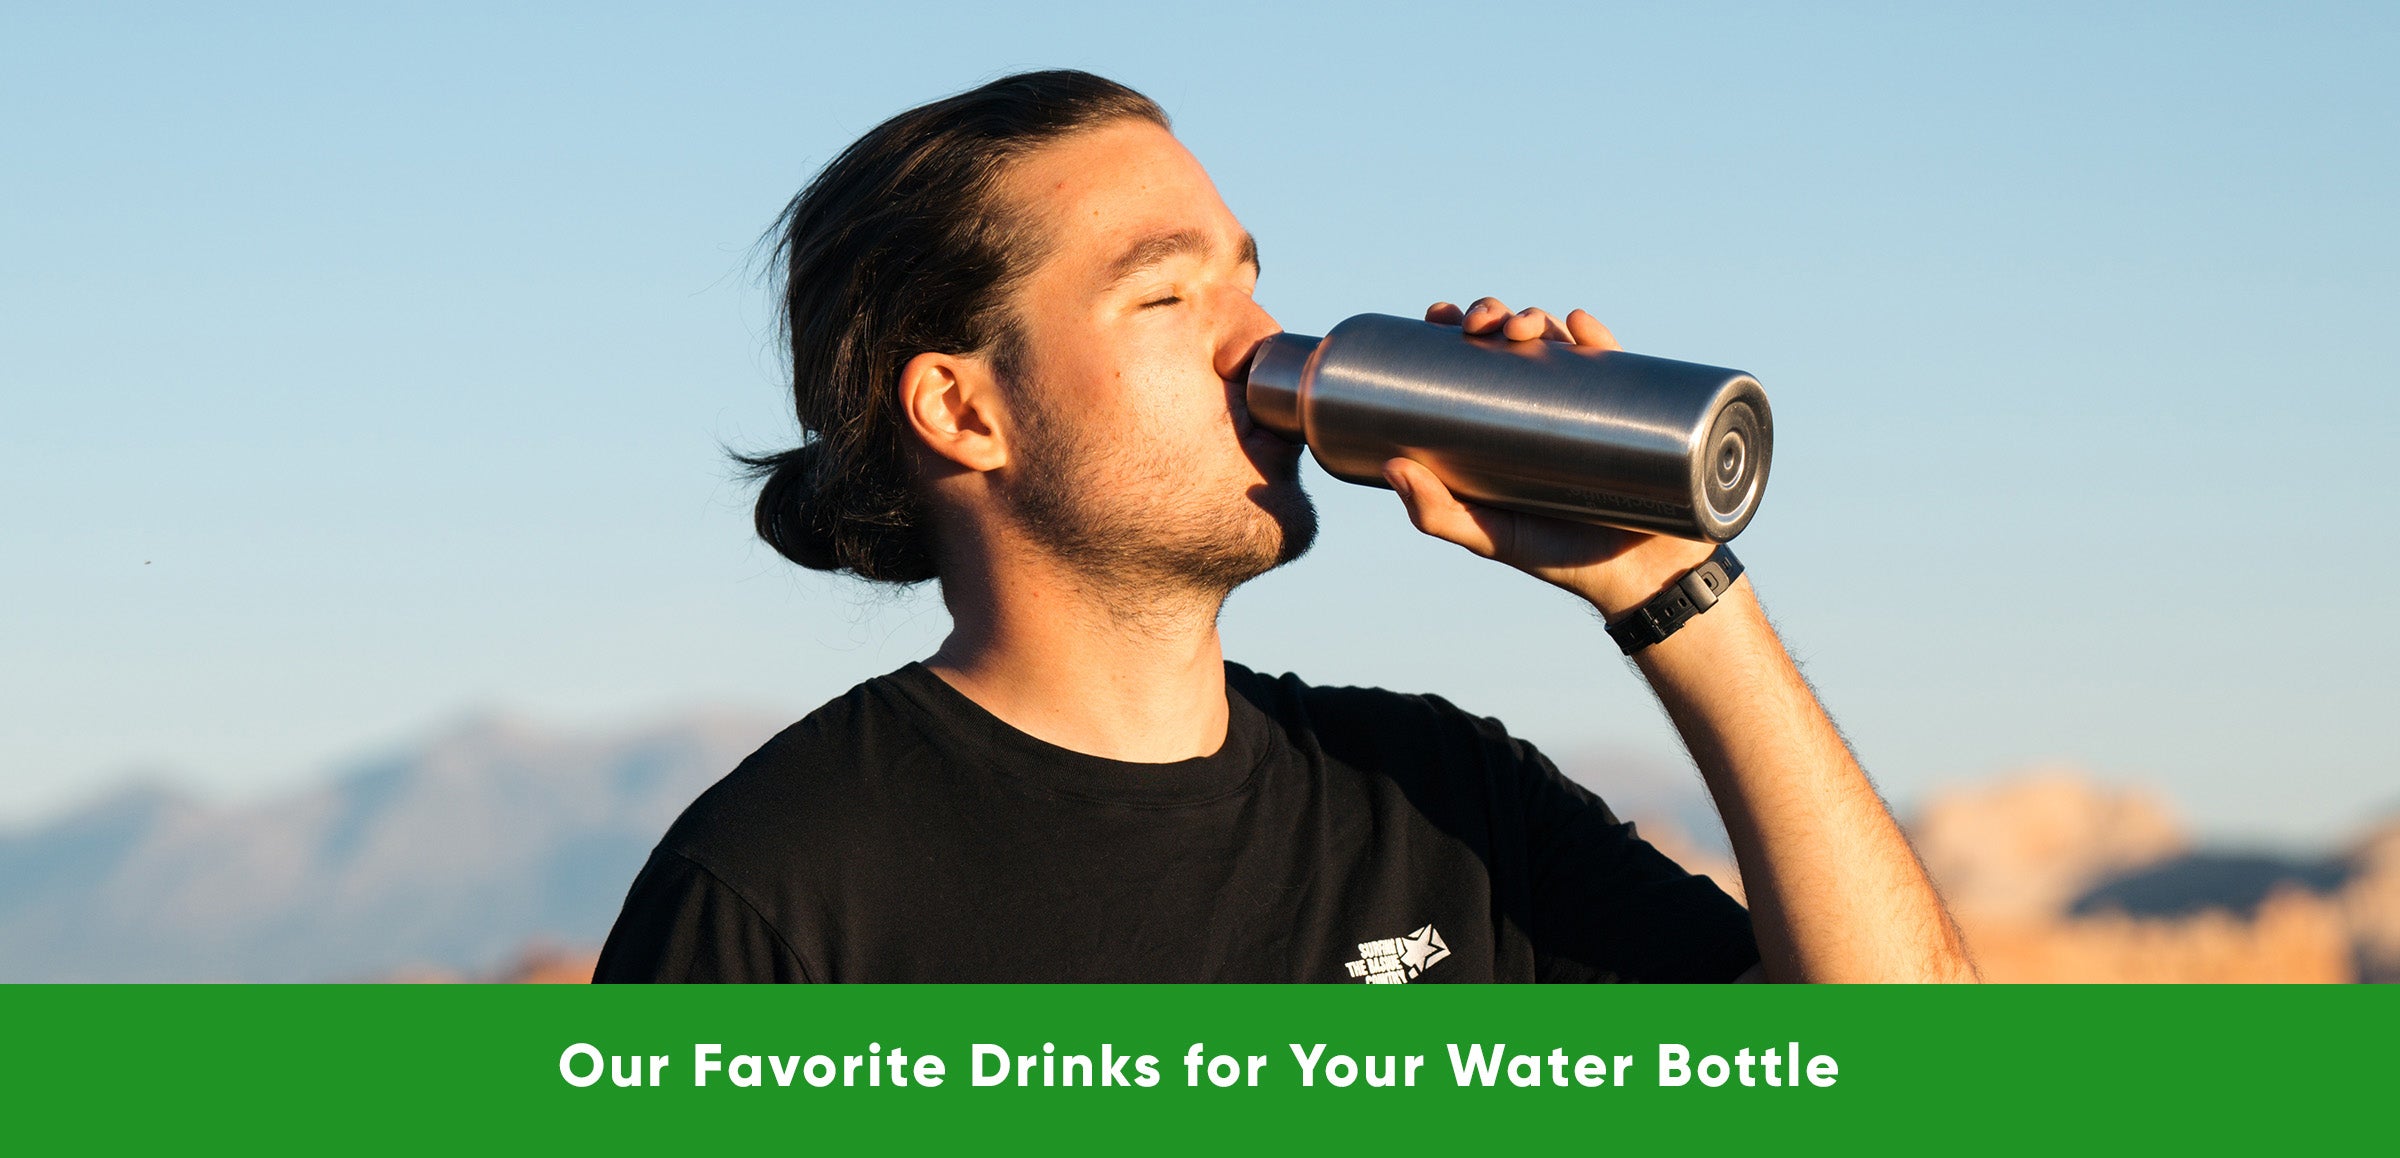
point(1152, 250)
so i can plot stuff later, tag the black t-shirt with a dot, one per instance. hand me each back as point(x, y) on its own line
point(903, 833)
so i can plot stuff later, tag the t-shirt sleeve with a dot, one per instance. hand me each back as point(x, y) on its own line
point(1605, 905)
point(683, 924)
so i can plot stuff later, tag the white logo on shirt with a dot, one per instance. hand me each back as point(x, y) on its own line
point(1398, 960)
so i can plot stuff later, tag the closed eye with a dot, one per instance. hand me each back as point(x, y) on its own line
point(1168, 300)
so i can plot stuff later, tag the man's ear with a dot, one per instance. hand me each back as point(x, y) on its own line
point(953, 403)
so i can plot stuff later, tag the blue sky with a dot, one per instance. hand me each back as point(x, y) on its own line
point(360, 368)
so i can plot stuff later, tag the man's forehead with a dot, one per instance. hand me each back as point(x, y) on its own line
point(1124, 197)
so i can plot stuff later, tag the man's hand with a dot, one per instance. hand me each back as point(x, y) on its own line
point(1616, 571)
point(1835, 892)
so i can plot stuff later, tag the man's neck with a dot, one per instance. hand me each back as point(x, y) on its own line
point(1131, 672)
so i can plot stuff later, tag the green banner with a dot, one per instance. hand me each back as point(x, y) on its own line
point(1200, 1069)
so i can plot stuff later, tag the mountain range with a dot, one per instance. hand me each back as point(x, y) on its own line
point(447, 855)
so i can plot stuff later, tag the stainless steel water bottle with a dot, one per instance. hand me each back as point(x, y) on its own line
point(1598, 436)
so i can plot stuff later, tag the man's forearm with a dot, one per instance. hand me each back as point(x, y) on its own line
point(1835, 892)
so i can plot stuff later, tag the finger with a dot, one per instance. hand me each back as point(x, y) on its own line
point(1437, 512)
point(1533, 322)
point(1586, 330)
point(1444, 314)
point(1485, 316)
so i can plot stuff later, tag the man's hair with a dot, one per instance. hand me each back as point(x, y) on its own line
point(900, 246)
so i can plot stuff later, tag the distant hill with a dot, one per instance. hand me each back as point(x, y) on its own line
point(2055, 877)
point(450, 855)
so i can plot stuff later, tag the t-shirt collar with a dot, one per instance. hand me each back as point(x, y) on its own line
point(970, 730)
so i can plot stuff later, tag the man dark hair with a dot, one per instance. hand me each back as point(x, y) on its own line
point(1020, 319)
point(902, 244)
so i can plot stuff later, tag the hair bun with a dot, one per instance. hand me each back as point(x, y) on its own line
point(825, 520)
point(789, 515)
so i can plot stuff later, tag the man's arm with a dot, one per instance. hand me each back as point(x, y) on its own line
point(1835, 892)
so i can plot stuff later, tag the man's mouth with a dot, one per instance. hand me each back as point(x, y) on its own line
point(1237, 404)
point(1248, 429)
point(1275, 456)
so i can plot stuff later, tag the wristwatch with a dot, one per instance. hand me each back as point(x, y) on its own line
point(1695, 592)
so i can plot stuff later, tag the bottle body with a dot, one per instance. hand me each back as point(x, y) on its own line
point(1604, 437)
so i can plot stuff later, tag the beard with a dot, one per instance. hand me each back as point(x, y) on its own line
point(1133, 519)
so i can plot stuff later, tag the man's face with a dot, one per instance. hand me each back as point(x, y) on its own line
point(1134, 457)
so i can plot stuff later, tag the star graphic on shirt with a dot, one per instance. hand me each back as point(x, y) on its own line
point(1422, 949)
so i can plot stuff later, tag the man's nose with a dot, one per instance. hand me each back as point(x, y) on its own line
point(1254, 325)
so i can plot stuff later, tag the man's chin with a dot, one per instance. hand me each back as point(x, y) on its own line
point(1279, 526)
point(1294, 516)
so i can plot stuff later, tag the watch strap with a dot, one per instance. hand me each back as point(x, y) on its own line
point(1667, 612)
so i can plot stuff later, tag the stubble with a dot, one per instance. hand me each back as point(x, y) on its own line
point(1137, 525)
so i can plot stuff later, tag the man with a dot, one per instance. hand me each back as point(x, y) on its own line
point(1019, 320)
